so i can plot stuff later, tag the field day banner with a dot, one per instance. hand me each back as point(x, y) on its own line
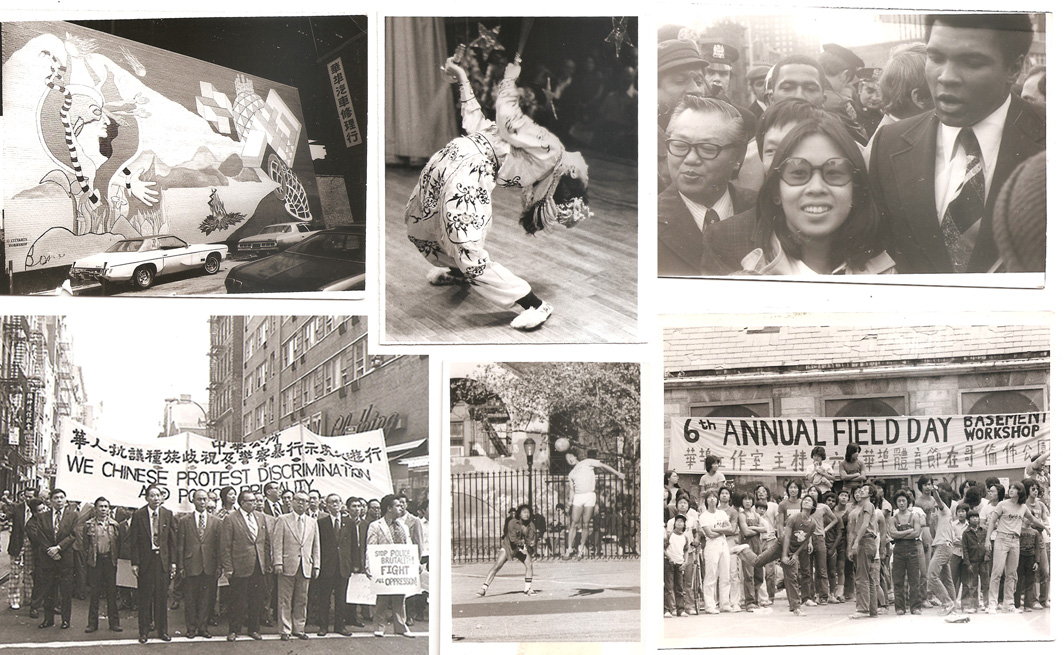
point(889, 445)
point(92, 465)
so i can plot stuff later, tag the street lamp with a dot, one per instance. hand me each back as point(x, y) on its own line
point(530, 449)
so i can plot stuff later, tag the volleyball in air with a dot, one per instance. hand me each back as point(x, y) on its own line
point(561, 444)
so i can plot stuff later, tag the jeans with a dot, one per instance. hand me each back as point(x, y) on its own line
point(867, 575)
point(906, 570)
point(674, 591)
point(820, 562)
point(938, 576)
point(1025, 586)
point(1006, 560)
point(752, 575)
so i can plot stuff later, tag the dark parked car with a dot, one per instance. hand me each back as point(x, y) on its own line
point(331, 260)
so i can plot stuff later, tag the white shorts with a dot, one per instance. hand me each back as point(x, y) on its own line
point(584, 500)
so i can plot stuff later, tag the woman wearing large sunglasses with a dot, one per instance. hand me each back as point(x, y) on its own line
point(815, 214)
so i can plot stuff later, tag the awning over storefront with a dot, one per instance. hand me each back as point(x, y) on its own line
point(407, 449)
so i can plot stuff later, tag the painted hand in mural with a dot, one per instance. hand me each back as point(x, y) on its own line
point(142, 190)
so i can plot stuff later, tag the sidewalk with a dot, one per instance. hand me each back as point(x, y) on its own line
point(578, 600)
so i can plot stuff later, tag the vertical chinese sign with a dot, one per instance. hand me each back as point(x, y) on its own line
point(344, 107)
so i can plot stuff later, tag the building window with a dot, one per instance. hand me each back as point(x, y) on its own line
point(286, 401)
point(332, 371)
point(270, 410)
point(865, 407)
point(345, 365)
point(319, 382)
point(288, 352)
point(1002, 401)
point(360, 358)
point(260, 416)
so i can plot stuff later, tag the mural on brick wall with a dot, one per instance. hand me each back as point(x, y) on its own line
point(106, 139)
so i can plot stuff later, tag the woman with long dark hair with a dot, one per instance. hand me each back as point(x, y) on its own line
point(815, 213)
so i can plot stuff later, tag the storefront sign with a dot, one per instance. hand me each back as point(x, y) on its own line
point(297, 459)
point(889, 445)
point(369, 419)
point(344, 107)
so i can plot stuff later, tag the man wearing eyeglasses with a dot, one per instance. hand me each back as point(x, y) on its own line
point(706, 143)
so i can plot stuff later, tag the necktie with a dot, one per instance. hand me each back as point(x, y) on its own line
point(336, 525)
point(301, 525)
point(960, 223)
point(710, 218)
point(254, 526)
point(202, 524)
point(397, 534)
point(155, 529)
point(58, 518)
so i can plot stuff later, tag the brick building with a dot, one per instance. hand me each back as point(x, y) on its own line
point(316, 371)
point(801, 371)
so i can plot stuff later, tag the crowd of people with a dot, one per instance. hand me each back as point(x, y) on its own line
point(930, 164)
point(252, 558)
point(836, 536)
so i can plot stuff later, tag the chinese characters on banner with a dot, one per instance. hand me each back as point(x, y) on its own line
point(296, 458)
point(344, 107)
point(896, 446)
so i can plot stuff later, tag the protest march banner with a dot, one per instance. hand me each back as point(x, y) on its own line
point(91, 465)
point(890, 446)
point(395, 569)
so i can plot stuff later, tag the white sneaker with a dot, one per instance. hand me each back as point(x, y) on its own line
point(443, 277)
point(532, 318)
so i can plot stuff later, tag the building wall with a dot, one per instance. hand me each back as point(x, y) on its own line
point(952, 394)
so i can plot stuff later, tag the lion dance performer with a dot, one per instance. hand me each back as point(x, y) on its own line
point(449, 214)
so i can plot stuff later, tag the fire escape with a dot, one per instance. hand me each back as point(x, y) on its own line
point(22, 386)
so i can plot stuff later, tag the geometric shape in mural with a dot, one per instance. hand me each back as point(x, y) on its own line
point(214, 107)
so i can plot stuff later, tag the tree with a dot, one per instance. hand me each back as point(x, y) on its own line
point(600, 400)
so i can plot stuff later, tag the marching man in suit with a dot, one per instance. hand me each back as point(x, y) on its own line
point(296, 560)
point(153, 551)
point(52, 532)
point(389, 530)
point(245, 557)
point(937, 175)
point(100, 543)
point(199, 540)
point(339, 549)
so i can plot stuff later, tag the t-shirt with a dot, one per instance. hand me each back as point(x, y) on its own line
point(801, 526)
point(674, 551)
point(819, 480)
point(856, 466)
point(866, 511)
point(821, 515)
point(1009, 518)
point(692, 523)
point(711, 482)
point(583, 476)
point(733, 518)
point(943, 528)
point(787, 509)
point(717, 520)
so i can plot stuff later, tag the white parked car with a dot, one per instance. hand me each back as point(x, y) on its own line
point(274, 238)
point(140, 260)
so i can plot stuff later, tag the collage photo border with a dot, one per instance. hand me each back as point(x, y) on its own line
point(917, 300)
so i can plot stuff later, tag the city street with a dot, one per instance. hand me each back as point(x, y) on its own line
point(191, 283)
point(20, 633)
point(580, 600)
point(830, 624)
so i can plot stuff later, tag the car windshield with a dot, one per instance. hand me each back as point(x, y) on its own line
point(337, 245)
point(273, 229)
point(130, 245)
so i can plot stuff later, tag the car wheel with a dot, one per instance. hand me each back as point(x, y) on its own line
point(213, 263)
point(143, 277)
point(105, 288)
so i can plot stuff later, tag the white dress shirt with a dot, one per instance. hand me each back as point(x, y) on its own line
point(723, 207)
point(951, 161)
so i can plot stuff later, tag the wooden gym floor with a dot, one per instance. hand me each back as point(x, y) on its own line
point(587, 272)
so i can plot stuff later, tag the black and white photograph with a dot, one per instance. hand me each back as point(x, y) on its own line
point(228, 479)
point(545, 109)
point(545, 504)
point(847, 479)
point(843, 142)
point(184, 156)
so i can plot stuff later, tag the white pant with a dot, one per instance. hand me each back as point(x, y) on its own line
point(718, 576)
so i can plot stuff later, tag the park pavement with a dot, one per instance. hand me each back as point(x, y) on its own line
point(20, 634)
point(575, 600)
point(831, 624)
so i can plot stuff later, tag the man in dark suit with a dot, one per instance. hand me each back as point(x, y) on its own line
point(245, 556)
point(755, 77)
point(936, 176)
point(53, 533)
point(706, 142)
point(153, 552)
point(339, 550)
point(199, 538)
point(273, 508)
